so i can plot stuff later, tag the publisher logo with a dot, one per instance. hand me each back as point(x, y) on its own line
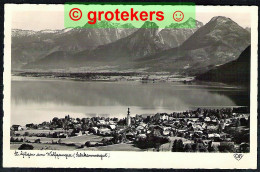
point(238, 156)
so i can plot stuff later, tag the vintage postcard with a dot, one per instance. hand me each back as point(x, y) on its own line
point(138, 85)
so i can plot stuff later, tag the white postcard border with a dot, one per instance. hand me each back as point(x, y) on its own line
point(133, 159)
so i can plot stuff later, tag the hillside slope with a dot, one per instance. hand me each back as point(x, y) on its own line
point(234, 72)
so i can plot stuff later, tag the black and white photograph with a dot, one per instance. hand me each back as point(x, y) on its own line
point(177, 89)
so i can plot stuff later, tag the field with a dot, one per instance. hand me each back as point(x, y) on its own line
point(70, 143)
point(83, 139)
point(43, 139)
point(44, 146)
point(34, 131)
point(77, 140)
point(115, 147)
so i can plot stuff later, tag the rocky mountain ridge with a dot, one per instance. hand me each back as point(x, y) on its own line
point(30, 46)
point(220, 41)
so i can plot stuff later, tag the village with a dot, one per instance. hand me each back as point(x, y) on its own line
point(200, 130)
point(109, 76)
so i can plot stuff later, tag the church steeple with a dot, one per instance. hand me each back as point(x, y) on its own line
point(128, 118)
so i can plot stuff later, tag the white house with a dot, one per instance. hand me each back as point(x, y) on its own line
point(104, 131)
point(16, 128)
point(164, 117)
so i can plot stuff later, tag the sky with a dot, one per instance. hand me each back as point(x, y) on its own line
point(53, 18)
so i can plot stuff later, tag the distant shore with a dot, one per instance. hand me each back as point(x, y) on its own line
point(107, 76)
point(121, 76)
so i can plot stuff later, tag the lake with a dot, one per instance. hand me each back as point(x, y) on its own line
point(38, 99)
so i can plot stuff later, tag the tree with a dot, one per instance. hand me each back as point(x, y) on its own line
point(174, 146)
point(244, 148)
point(78, 120)
point(65, 125)
point(25, 147)
point(12, 139)
point(188, 148)
point(238, 123)
point(55, 120)
point(226, 147)
point(87, 144)
point(59, 141)
point(178, 146)
point(195, 148)
point(84, 127)
point(243, 122)
point(26, 133)
point(37, 141)
point(213, 148)
point(60, 123)
point(201, 147)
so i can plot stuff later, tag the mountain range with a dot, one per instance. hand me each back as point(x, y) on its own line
point(219, 41)
point(31, 46)
point(184, 51)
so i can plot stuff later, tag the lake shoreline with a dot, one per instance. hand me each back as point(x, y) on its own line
point(120, 77)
